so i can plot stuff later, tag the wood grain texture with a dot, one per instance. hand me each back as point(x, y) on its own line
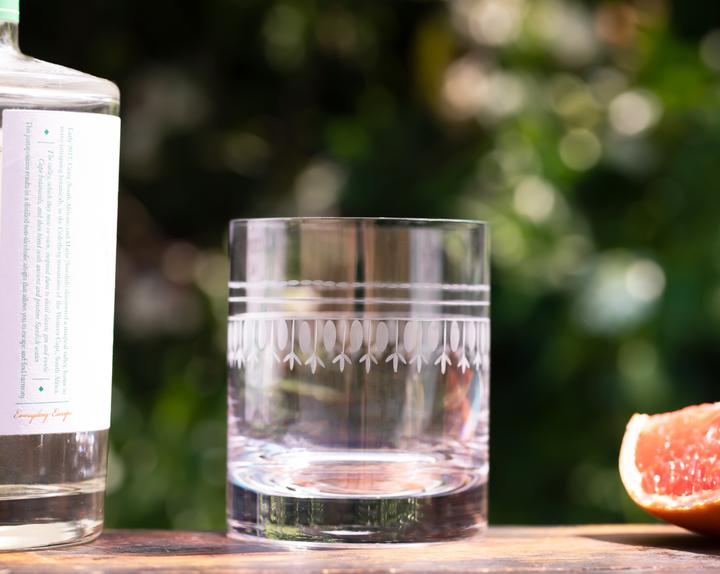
point(503, 549)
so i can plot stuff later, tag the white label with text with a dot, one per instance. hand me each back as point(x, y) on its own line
point(58, 221)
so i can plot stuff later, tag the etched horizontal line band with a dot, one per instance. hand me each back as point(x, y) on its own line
point(351, 300)
point(268, 316)
point(358, 285)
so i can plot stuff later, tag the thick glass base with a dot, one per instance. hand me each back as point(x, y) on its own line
point(35, 516)
point(403, 520)
point(29, 536)
point(53, 492)
point(367, 498)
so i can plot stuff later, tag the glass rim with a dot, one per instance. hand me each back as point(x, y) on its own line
point(399, 222)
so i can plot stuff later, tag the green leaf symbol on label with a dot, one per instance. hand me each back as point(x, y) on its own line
point(41, 389)
point(46, 132)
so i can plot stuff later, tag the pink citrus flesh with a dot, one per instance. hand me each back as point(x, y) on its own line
point(670, 466)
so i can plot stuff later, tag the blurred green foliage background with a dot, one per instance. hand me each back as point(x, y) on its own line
point(588, 134)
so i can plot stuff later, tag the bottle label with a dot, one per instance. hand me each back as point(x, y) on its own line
point(58, 221)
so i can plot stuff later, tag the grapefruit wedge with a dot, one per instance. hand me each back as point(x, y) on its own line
point(670, 466)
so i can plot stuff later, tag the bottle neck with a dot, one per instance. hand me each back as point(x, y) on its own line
point(9, 35)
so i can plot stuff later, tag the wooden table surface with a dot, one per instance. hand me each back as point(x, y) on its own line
point(634, 548)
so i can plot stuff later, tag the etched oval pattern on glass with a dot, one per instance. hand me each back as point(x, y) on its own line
point(325, 343)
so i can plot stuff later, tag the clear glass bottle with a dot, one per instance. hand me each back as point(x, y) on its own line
point(52, 483)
